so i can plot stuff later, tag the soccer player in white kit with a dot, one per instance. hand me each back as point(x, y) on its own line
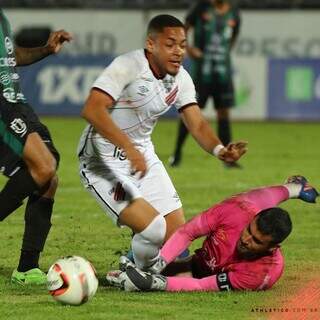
point(118, 164)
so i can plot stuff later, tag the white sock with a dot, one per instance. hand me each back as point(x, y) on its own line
point(294, 189)
point(146, 244)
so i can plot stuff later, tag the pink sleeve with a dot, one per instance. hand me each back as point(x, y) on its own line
point(264, 198)
point(218, 282)
point(200, 225)
point(225, 281)
point(192, 284)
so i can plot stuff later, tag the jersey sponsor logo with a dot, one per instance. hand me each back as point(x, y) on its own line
point(8, 44)
point(19, 126)
point(223, 282)
point(120, 154)
point(11, 96)
point(15, 77)
point(4, 78)
point(7, 62)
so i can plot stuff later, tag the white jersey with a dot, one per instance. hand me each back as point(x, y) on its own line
point(140, 98)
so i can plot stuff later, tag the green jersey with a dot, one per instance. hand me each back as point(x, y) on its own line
point(9, 78)
point(214, 34)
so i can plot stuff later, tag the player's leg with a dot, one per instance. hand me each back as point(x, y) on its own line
point(121, 199)
point(223, 96)
point(174, 220)
point(163, 196)
point(19, 142)
point(39, 160)
point(37, 226)
point(223, 124)
point(175, 159)
point(38, 214)
point(149, 229)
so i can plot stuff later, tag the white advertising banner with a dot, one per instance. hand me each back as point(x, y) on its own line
point(106, 33)
point(270, 33)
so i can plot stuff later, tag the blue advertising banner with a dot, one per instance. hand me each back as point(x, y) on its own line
point(59, 85)
point(294, 89)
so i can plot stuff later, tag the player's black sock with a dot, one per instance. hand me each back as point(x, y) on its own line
point(17, 188)
point(37, 226)
point(224, 131)
point(29, 259)
point(182, 135)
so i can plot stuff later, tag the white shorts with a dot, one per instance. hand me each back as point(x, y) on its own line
point(113, 186)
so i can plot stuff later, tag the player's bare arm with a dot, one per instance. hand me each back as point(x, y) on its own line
point(26, 56)
point(201, 130)
point(94, 112)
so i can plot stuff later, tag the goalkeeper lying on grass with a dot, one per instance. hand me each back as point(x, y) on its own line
point(241, 250)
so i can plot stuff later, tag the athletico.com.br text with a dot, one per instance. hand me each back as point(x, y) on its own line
point(284, 310)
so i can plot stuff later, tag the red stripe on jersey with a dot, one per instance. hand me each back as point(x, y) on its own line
point(171, 97)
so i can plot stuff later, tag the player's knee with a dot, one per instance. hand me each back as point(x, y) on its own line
point(45, 174)
point(155, 232)
point(53, 185)
point(46, 171)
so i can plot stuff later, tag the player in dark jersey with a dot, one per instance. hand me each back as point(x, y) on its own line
point(216, 26)
point(27, 154)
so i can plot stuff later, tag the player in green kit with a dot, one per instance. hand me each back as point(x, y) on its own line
point(28, 157)
point(216, 26)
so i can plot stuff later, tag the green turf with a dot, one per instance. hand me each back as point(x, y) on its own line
point(276, 150)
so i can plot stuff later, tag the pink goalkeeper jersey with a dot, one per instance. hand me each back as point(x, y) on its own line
point(222, 225)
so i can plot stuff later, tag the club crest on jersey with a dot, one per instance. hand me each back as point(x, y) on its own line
point(168, 83)
point(19, 126)
point(170, 98)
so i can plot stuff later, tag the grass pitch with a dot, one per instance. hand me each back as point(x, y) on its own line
point(276, 150)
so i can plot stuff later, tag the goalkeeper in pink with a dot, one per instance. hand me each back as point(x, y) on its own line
point(241, 250)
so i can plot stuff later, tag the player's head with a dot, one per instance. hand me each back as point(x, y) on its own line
point(166, 44)
point(262, 235)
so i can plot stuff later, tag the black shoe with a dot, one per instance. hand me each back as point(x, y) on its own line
point(232, 165)
point(174, 161)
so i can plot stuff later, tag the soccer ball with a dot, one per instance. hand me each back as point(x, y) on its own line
point(72, 280)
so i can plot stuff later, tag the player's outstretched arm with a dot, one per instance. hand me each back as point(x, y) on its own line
point(26, 56)
point(202, 132)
